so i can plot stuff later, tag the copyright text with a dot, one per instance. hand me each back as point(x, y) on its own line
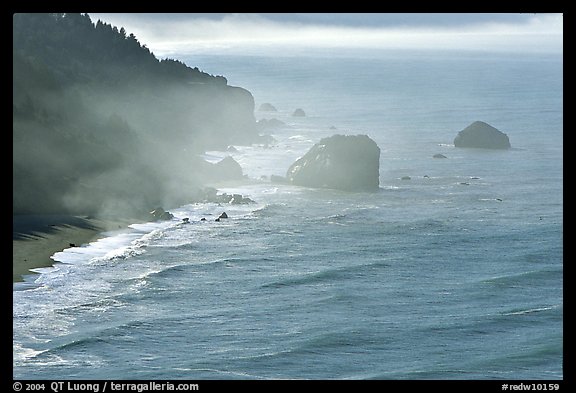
point(103, 386)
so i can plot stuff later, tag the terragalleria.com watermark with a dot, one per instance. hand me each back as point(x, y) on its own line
point(97, 387)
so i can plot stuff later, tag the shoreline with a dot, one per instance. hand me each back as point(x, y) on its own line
point(36, 237)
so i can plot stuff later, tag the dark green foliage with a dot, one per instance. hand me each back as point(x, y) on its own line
point(75, 49)
point(99, 123)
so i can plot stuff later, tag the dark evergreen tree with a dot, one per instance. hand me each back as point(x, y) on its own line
point(97, 117)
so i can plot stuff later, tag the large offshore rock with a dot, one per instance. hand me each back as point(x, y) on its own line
point(344, 162)
point(482, 135)
point(299, 112)
point(226, 169)
point(267, 107)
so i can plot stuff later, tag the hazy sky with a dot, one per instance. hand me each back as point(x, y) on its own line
point(168, 34)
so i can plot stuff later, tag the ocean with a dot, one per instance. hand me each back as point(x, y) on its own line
point(455, 273)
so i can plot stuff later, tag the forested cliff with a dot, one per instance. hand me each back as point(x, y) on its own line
point(100, 124)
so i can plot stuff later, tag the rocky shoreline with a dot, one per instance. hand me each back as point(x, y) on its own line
point(36, 237)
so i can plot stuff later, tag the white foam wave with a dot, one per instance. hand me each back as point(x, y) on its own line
point(224, 372)
point(22, 354)
point(532, 310)
point(119, 244)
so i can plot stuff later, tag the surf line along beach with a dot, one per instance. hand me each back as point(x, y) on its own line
point(36, 237)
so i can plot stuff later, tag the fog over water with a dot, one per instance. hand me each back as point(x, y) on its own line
point(288, 33)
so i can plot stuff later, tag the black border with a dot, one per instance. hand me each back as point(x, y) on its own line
point(267, 385)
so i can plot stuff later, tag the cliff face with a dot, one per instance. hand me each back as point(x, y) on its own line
point(99, 123)
point(230, 117)
point(344, 162)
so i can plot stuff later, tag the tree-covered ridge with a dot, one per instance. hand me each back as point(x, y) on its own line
point(99, 123)
point(78, 49)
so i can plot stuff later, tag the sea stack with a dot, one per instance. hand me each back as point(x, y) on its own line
point(344, 162)
point(482, 135)
point(299, 112)
point(267, 107)
point(227, 169)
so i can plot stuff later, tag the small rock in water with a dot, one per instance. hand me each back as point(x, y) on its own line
point(161, 214)
point(267, 107)
point(278, 179)
point(299, 113)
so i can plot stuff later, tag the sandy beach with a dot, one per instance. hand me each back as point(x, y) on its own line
point(36, 237)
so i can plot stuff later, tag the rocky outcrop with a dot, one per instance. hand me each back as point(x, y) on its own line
point(278, 179)
point(160, 214)
point(482, 135)
point(227, 169)
point(222, 216)
point(268, 124)
point(299, 113)
point(267, 107)
point(210, 195)
point(344, 162)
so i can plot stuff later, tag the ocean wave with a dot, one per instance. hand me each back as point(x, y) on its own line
point(28, 283)
point(98, 305)
point(55, 356)
point(541, 355)
point(328, 275)
point(100, 335)
point(116, 247)
point(121, 253)
point(270, 210)
point(22, 354)
point(521, 279)
point(430, 226)
point(347, 341)
point(303, 279)
point(303, 138)
point(489, 322)
point(165, 272)
point(297, 350)
point(525, 311)
point(431, 373)
point(76, 344)
point(333, 218)
point(214, 373)
point(120, 246)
